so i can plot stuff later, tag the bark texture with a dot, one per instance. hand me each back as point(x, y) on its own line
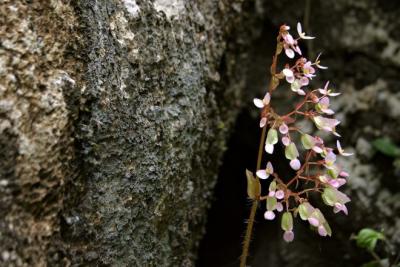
point(113, 119)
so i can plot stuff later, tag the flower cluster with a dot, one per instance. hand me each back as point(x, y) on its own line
point(315, 165)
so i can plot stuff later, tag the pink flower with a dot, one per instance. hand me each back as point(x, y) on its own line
point(302, 34)
point(269, 215)
point(279, 194)
point(289, 43)
point(322, 231)
point(330, 159)
point(327, 91)
point(341, 151)
point(279, 206)
point(283, 129)
point(263, 122)
point(318, 145)
point(288, 236)
point(264, 174)
point(326, 124)
point(308, 70)
point(340, 207)
point(296, 87)
point(338, 182)
point(323, 106)
point(285, 141)
point(295, 164)
point(288, 51)
point(304, 81)
point(288, 74)
point(262, 103)
point(313, 221)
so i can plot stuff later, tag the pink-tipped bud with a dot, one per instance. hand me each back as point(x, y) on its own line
point(288, 236)
point(269, 215)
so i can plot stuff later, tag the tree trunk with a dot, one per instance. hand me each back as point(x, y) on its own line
point(113, 119)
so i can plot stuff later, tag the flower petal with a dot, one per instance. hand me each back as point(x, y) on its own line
point(279, 194)
point(258, 103)
point(269, 215)
point(322, 231)
point(263, 122)
point(283, 129)
point(269, 148)
point(295, 164)
point(289, 53)
point(287, 72)
point(279, 206)
point(266, 99)
point(313, 221)
point(288, 236)
point(262, 174)
point(299, 29)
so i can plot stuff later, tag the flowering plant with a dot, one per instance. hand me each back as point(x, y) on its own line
point(316, 168)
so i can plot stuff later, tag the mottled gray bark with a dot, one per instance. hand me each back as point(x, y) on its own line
point(113, 119)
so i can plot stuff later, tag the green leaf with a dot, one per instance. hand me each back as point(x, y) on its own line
point(307, 141)
point(272, 136)
point(272, 186)
point(367, 238)
point(291, 151)
point(329, 196)
point(327, 228)
point(387, 147)
point(253, 186)
point(271, 203)
point(305, 210)
point(287, 221)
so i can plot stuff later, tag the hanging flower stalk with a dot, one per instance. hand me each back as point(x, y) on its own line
point(316, 168)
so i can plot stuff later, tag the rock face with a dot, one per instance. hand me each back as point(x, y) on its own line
point(113, 119)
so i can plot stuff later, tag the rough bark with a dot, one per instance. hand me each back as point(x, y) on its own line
point(113, 118)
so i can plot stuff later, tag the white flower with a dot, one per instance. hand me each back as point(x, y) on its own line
point(302, 34)
point(262, 103)
point(341, 150)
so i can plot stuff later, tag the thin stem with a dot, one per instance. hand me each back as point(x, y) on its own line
point(250, 223)
point(377, 258)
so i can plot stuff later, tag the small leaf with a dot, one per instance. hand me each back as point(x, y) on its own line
point(329, 196)
point(271, 203)
point(253, 186)
point(387, 147)
point(367, 238)
point(327, 228)
point(287, 221)
point(305, 210)
point(307, 141)
point(272, 136)
point(291, 151)
point(272, 186)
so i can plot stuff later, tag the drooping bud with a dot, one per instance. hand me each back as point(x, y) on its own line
point(287, 221)
point(291, 151)
point(272, 139)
